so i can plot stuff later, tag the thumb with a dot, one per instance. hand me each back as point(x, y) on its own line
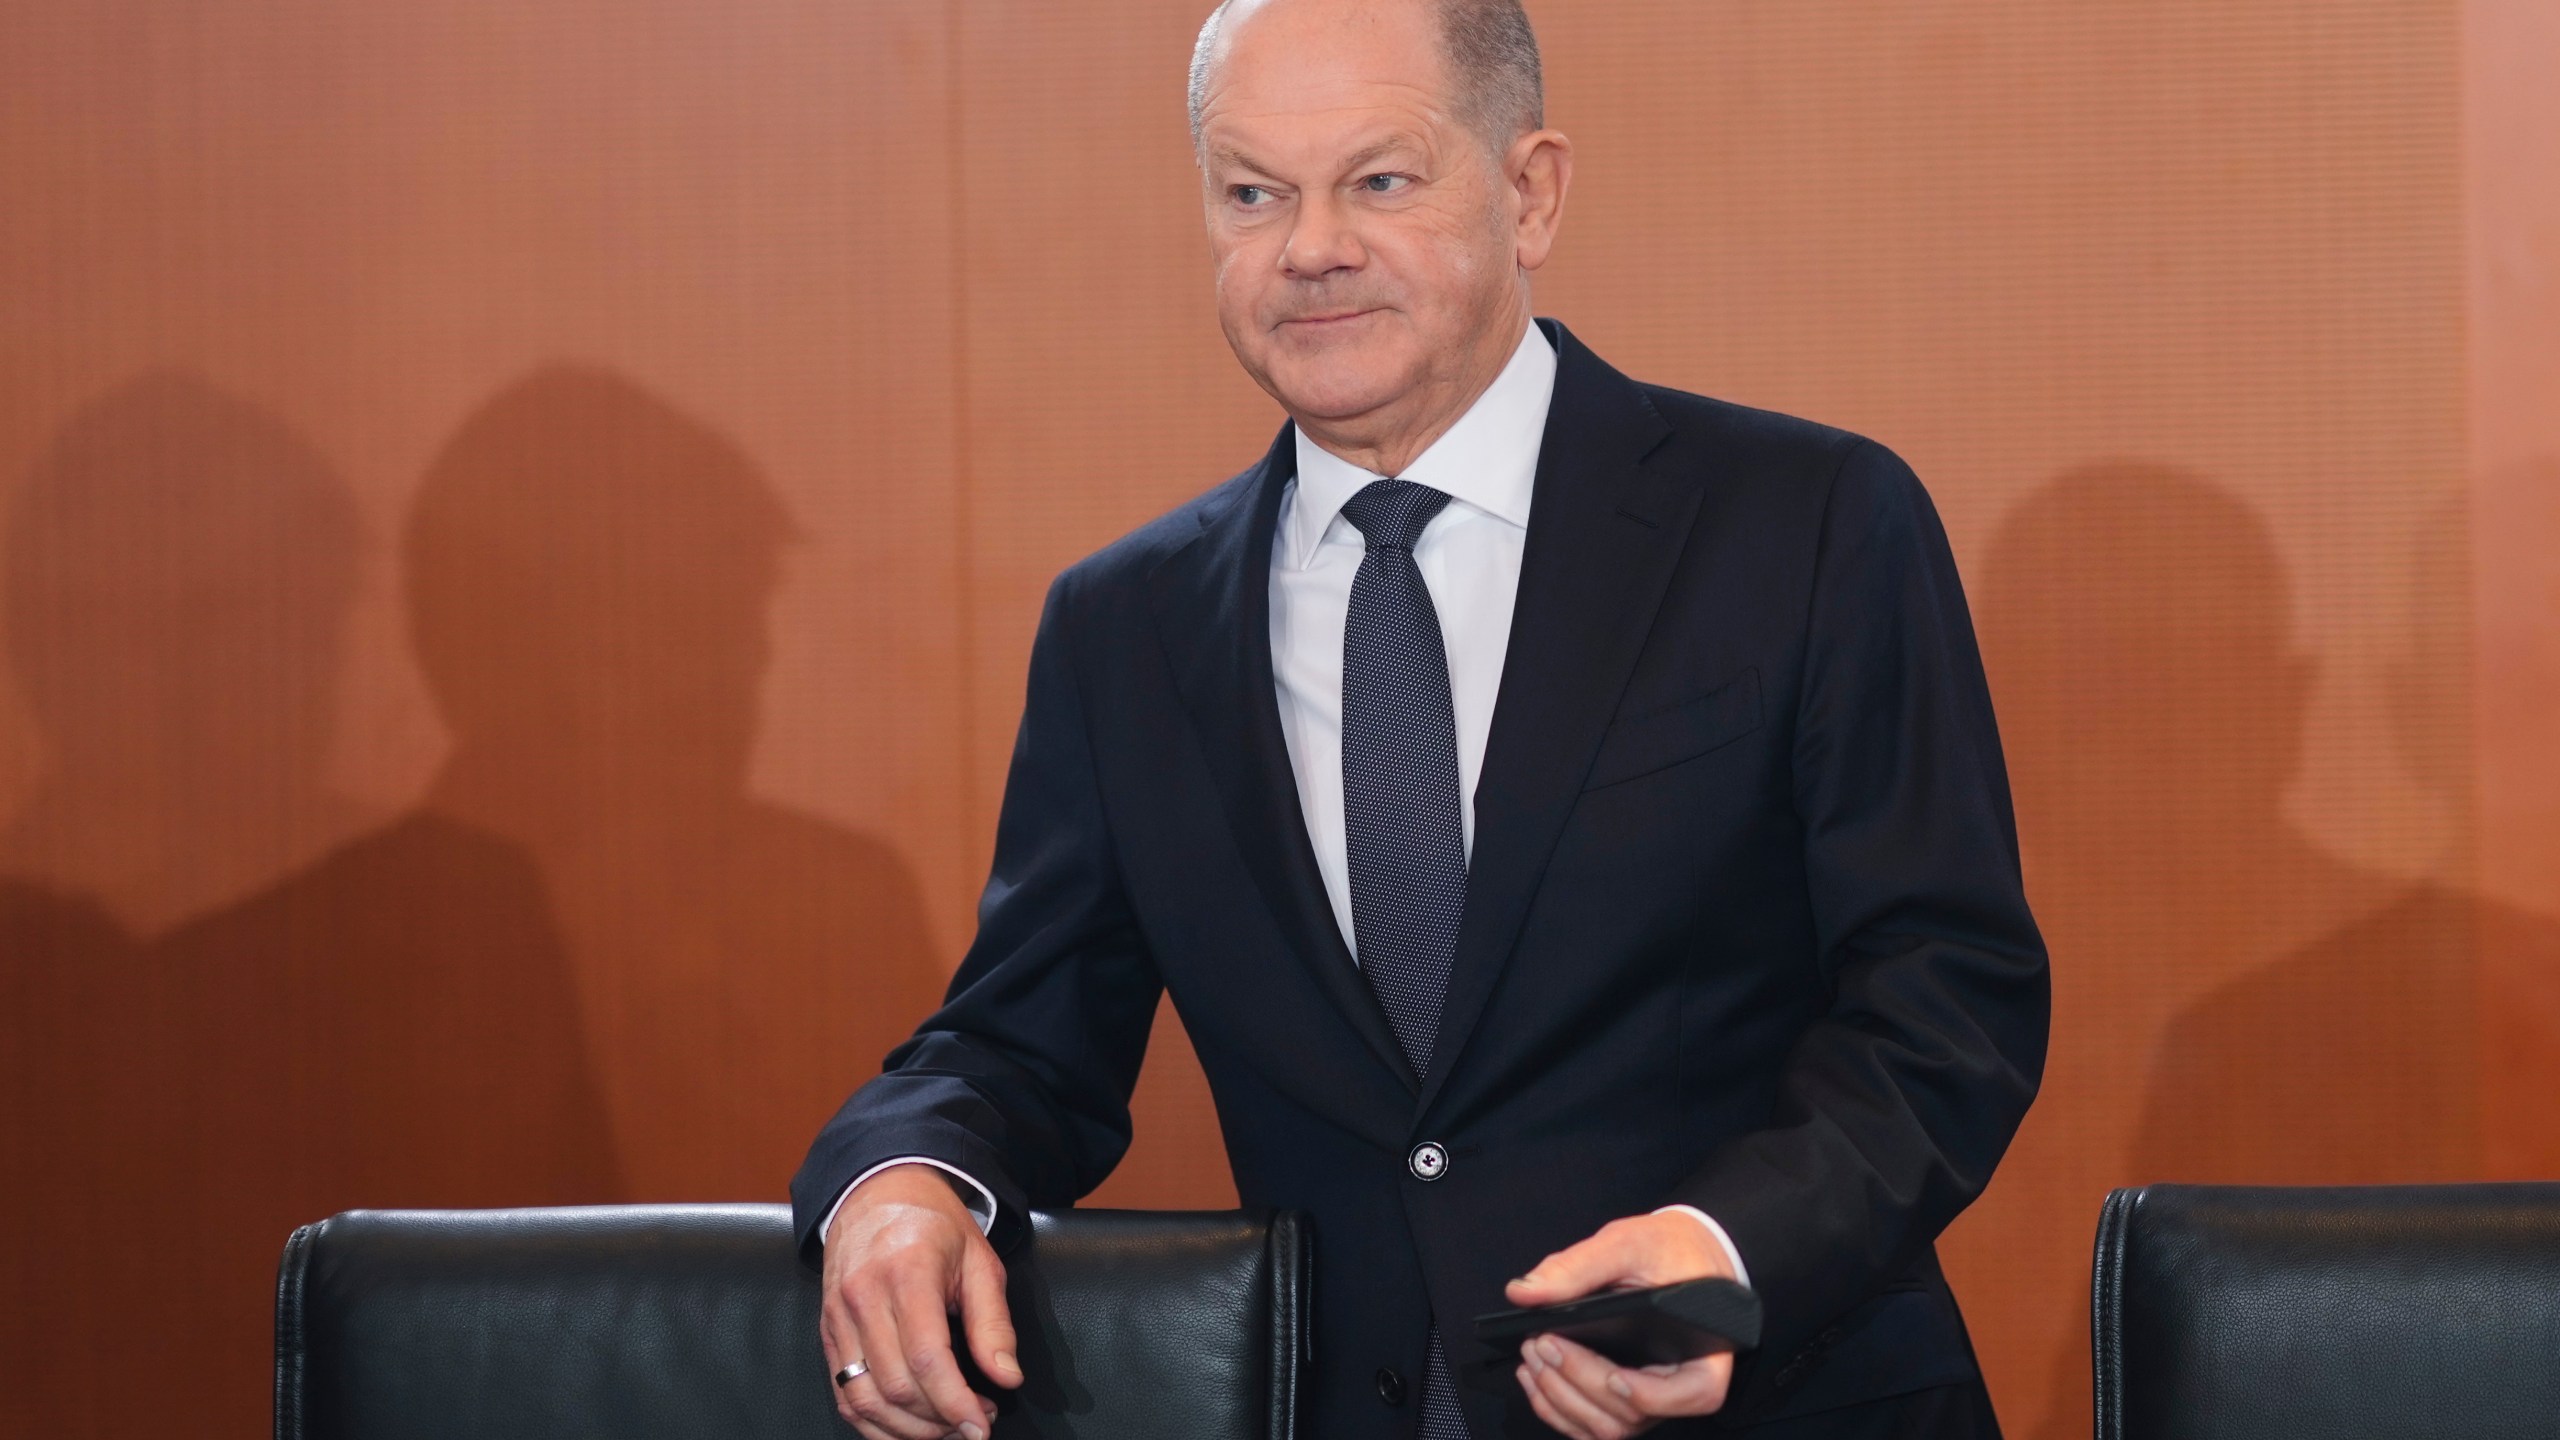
point(1576, 1271)
point(984, 1316)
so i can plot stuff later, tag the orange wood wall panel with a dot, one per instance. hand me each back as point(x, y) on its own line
point(521, 529)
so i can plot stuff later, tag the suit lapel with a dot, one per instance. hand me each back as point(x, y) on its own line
point(1212, 602)
point(1604, 537)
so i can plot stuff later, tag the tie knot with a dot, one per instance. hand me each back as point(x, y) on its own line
point(1393, 512)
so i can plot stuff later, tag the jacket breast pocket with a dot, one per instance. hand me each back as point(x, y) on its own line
point(1660, 738)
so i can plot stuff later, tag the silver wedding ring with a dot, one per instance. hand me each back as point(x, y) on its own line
point(852, 1372)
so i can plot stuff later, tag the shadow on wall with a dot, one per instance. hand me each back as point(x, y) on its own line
point(587, 967)
point(2137, 622)
point(2518, 718)
point(589, 575)
point(2233, 1002)
point(178, 569)
point(393, 1023)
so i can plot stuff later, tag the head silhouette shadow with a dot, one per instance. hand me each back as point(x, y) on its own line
point(2139, 622)
point(589, 573)
point(2351, 1057)
point(179, 570)
point(2378, 1052)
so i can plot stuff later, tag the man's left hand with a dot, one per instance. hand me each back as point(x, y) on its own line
point(1587, 1397)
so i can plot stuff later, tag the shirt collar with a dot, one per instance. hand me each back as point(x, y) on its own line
point(1488, 459)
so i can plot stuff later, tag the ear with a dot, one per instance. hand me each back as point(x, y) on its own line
point(1538, 167)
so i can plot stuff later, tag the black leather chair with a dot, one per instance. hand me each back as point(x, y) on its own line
point(2283, 1313)
point(641, 1322)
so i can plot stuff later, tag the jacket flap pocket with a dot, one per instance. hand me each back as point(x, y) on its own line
point(1641, 744)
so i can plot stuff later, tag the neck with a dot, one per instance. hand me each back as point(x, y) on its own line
point(1386, 440)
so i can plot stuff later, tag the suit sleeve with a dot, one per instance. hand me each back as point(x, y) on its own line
point(1021, 1080)
point(1895, 1104)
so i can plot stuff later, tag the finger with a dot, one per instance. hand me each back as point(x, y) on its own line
point(836, 1332)
point(893, 1398)
point(869, 1431)
point(984, 1314)
point(858, 1401)
point(838, 1356)
point(877, 1418)
point(1571, 1403)
point(1578, 1269)
point(1546, 1409)
point(1696, 1388)
point(1589, 1374)
point(924, 1323)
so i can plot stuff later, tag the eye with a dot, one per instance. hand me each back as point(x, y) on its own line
point(1249, 196)
point(1385, 184)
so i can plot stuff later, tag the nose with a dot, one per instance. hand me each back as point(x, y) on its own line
point(1321, 239)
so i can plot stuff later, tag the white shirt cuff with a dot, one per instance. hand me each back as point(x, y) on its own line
point(1741, 1271)
point(982, 1204)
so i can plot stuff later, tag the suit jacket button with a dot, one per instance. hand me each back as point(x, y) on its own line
point(1428, 1161)
point(1390, 1386)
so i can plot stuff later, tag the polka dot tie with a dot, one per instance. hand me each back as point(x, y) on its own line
point(1401, 822)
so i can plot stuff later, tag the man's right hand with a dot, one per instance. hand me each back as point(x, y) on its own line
point(903, 1254)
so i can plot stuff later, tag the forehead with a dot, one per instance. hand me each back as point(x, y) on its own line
point(1306, 78)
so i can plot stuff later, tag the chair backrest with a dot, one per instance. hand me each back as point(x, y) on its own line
point(2288, 1313)
point(639, 1322)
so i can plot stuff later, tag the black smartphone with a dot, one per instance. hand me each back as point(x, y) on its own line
point(1663, 1325)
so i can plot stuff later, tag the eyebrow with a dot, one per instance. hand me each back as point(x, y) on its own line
point(1372, 151)
point(1229, 155)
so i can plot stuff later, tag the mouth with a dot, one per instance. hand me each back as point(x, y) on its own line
point(1324, 321)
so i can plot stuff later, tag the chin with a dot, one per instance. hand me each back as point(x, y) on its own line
point(1347, 382)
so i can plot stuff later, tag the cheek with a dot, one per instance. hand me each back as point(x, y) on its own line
point(1447, 254)
point(1239, 277)
point(1438, 282)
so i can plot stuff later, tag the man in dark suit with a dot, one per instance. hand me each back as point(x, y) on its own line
point(1566, 813)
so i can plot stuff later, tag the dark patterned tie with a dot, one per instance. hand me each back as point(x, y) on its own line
point(1402, 830)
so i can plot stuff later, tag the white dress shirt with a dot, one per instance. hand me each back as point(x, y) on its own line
point(1469, 556)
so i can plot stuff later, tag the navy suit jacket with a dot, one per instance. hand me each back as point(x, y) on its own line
point(1743, 926)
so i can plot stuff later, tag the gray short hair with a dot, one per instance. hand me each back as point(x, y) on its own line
point(1493, 63)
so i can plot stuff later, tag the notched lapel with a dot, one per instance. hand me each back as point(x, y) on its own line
point(1212, 603)
point(1605, 535)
